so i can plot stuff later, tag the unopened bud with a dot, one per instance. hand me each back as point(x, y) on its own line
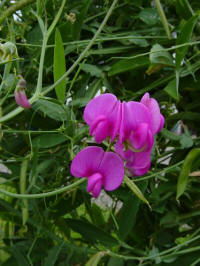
point(71, 17)
point(22, 84)
point(20, 94)
point(8, 51)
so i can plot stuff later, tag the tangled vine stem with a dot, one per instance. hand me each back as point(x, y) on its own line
point(82, 55)
point(163, 254)
point(14, 8)
point(42, 195)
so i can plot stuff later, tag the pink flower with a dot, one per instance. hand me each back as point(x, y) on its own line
point(157, 117)
point(136, 126)
point(20, 94)
point(102, 169)
point(138, 163)
point(21, 99)
point(135, 137)
point(103, 115)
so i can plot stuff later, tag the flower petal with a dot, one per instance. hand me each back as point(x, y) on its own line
point(140, 159)
point(92, 180)
point(97, 189)
point(112, 169)
point(139, 171)
point(101, 105)
point(87, 162)
point(115, 120)
point(139, 137)
point(162, 121)
point(103, 115)
point(21, 99)
point(133, 113)
point(99, 129)
point(154, 109)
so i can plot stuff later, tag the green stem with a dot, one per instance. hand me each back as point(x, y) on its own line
point(82, 55)
point(85, 42)
point(166, 170)
point(53, 24)
point(8, 12)
point(42, 195)
point(41, 66)
point(23, 189)
point(112, 254)
point(5, 74)
point(163, 18)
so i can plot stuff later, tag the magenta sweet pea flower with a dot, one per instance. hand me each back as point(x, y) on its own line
point(103, 115)
point(135, 137)
point(102, 169)
point(157, 117)
point(21, 99)
point(136, 126)
point(137, 162)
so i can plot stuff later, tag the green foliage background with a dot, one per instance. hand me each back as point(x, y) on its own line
point(142, 47)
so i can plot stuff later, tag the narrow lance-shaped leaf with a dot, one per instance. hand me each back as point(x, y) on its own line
point(184, 37)
point(59, 66)
point(79, 20)
point(183, 177)
point(135, 190)
point(171, 89)
point(53, 253)
point(129, 209)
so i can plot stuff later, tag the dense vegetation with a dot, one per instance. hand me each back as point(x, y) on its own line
point(126, 48)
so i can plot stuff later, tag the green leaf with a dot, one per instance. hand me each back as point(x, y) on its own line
point(135, 190)
point(183, 177)
point(48, 140)
point(186, 141)
point(137, 41)
point(191, 116)
point(149, 16)
point(59, 67)
point(95, 259)
point(92, 69)
point(39, 8)
point(19, 256)
point(115, 262)
point(52, 256)
point(171, 89)
point(52, 110)
point(83, 100)
point(130, 209)
point(184, 9)
point(158, 55)
point(155, 252)
point(91, 232)
point(76, 27)
point(170, 135)
point(184, 37)
point(125, 65)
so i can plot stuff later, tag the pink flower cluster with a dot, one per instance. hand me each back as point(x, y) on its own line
point(133, 126)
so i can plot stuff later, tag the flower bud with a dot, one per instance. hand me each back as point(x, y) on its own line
point(8, 51)
point(71, 17)
point(20, 94)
